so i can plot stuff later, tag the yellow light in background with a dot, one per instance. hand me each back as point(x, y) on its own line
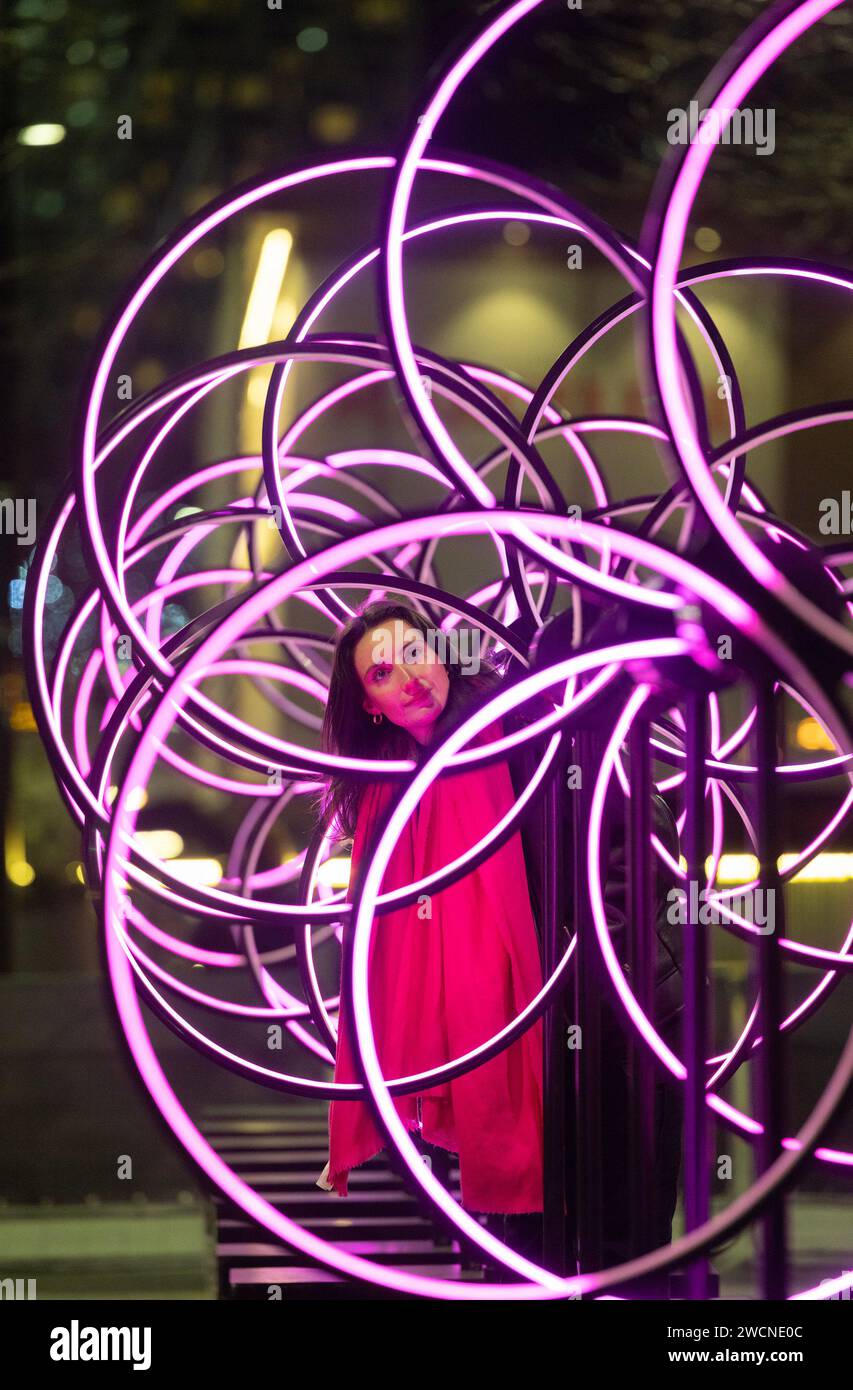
point(335, 123)
point(266, 319)
point(707, 239)
point(735, 868)
point(19, 872)
point(204, 872)
point(162, 844)
point(812, 735)
point(136, 801)
point(266, 287)
point(208, 262)
point(334, 873)
point(21, 719)
point(44, 133)
point(256, 391)
point(824, 868)
point(282, 322)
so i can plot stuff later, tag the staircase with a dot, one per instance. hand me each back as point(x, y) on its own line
point(281, 1149)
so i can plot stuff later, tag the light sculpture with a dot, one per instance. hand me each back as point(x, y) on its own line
point(162, 690)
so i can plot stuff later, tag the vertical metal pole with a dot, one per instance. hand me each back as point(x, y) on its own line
point(587, 1014)
point(554, 1064)
point(768, 1067)
point(695, 1019)
point(641, 969)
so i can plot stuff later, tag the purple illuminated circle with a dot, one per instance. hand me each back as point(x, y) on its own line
point(669, 243)
point(277, 589)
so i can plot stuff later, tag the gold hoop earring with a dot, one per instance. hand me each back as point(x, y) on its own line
point(377, 718)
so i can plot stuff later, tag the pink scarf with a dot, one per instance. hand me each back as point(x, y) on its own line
point(442, 984)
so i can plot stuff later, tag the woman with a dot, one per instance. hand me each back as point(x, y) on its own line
point(450, 970)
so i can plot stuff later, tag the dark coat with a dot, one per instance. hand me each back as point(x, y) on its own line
point(667, 1011)
point(669, 946)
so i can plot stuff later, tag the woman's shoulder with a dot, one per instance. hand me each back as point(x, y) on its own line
point(528, 712)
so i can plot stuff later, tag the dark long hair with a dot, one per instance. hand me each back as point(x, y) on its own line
point(349, 730)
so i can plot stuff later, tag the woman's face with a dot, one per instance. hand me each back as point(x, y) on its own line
point(401, 677)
